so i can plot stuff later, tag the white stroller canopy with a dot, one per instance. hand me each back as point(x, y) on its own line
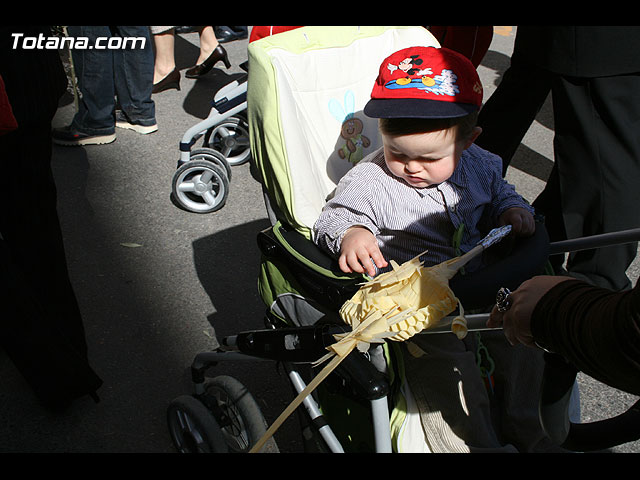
point(304, 85)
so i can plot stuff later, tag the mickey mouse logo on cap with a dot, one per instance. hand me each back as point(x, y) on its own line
point(425, 82)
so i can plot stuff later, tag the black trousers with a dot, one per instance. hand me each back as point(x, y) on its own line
point(594, 184)
point(508, 114)
point(41, 328)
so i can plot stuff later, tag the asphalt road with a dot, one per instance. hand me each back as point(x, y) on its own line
point(156, 284)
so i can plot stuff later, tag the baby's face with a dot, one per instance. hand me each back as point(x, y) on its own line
point(423, 159)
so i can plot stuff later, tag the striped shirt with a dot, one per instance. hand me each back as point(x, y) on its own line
point(408, 220)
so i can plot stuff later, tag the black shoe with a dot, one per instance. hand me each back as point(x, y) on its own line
point(68, 137)
point(219, 53)
point(185, 29)
point(170, 81)
point(226, 34)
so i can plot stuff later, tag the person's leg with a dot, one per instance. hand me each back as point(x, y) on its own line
point(165, 62)
point(41, 326)
point(133, 74)
point(94, 70)
point(508, 114)
point(597, 149)
point(208, 43)
point(518, 378)
point(549, 205)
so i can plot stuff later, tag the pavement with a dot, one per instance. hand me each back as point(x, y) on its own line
point(156, 284)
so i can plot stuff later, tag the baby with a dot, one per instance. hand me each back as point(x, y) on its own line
point(429, 180)
point(429, 187)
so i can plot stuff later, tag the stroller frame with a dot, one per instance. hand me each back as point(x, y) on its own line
point(379, 408)
point(290, 343)
point(201, 181)
point(230, 426)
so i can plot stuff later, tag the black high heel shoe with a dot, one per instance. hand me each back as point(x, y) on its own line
point(202, 69)
point(170, 81)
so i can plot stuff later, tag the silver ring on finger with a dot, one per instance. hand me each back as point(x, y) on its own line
point(503, 299)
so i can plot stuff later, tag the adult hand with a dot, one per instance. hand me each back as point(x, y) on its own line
point(358, 249)
point(516, 320)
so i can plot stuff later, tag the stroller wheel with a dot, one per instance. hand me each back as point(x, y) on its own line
point(238, 414)
point(200, 186)
point(193, 428)
point(212, 156)
point(231, 138)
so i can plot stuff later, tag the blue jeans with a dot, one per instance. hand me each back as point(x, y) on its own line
point(104, 74)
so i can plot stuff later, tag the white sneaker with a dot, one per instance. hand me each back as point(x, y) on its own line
point(123, 122)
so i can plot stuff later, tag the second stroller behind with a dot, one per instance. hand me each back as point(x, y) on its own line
point(202, 179)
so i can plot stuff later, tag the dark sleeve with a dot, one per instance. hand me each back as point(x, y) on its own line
point(597, 330)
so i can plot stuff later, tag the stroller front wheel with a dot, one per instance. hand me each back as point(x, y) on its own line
point(200, 186)
point(213, 156)
point(193, 428)
point(237, 413)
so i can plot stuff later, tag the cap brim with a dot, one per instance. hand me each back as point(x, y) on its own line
point(416, 108)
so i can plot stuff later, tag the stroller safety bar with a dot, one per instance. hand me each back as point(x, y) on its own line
point(475, 323)
point(595, 241)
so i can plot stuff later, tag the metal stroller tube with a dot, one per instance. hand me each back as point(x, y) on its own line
point(595, 241)
point(223, 109)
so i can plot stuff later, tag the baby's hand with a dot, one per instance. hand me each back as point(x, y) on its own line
point(358, 249)
point(521, 221)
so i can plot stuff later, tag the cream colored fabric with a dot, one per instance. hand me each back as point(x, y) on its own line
point(305, 84)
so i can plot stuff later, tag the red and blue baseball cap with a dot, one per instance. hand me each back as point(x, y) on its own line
point(425, 82)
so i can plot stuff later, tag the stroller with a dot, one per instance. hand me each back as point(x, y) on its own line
point(201, 181)
point(306, 90)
